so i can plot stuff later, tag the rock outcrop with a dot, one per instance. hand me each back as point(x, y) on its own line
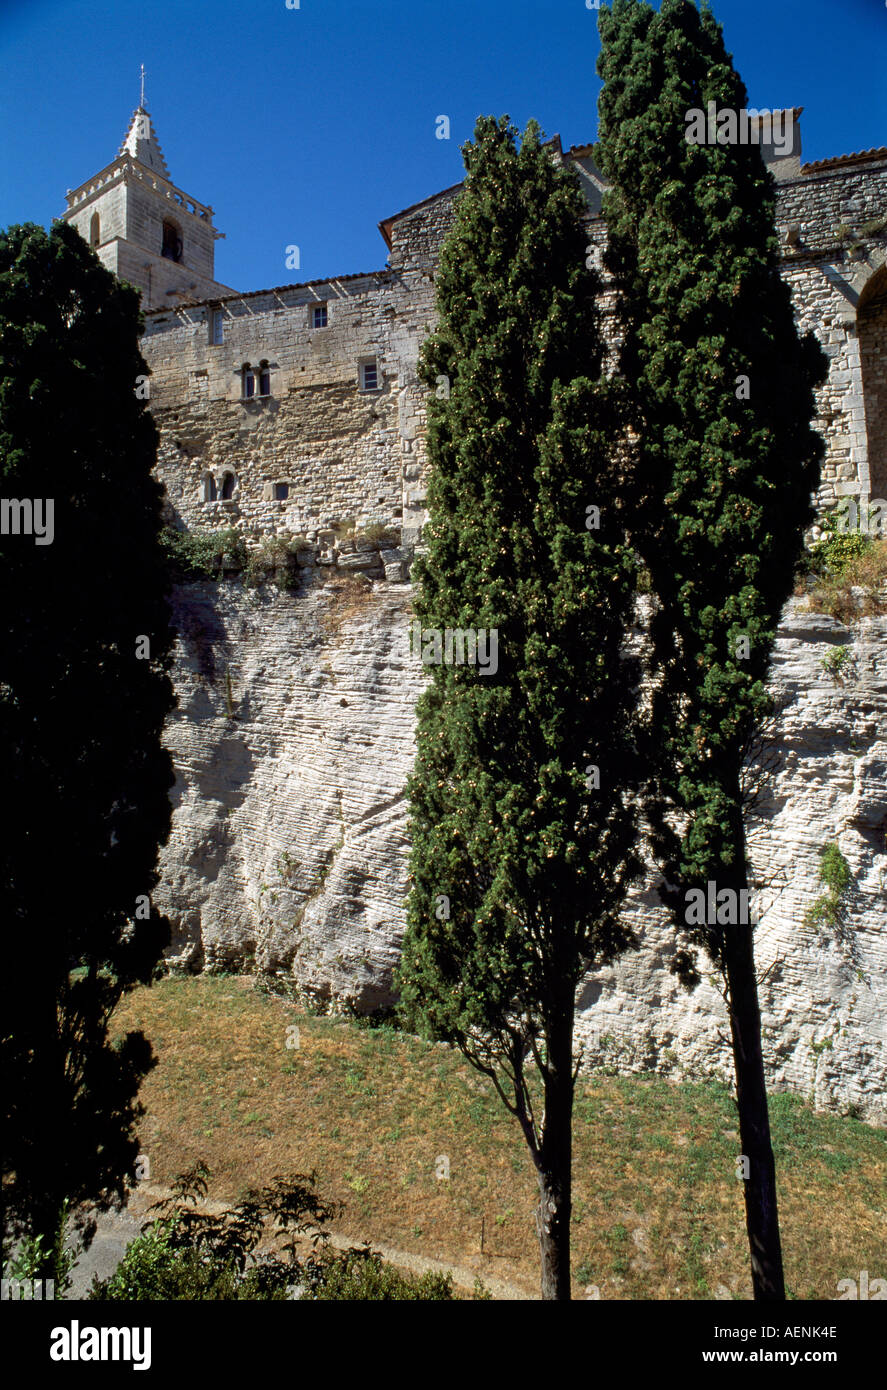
point(293, 744)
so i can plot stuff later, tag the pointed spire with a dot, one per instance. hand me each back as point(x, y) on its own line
point(142, 143)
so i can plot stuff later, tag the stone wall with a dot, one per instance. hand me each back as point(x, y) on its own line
point(334, 445)
point(349, 453)
point(828, 263)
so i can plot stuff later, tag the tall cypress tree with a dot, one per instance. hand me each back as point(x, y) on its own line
point(522, 838)
point(724, 463)
point(84, 692)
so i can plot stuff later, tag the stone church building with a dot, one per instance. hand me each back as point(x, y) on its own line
point(295, 411)
point(285, 410)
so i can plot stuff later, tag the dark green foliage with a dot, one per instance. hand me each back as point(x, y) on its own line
point(533, 863)
point(721, 484)
point(208, 555)
point(85, 776)
point(154, 1268)
point(193, 555)
point(189, 1254)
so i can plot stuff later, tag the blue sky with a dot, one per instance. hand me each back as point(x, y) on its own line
point(310, 125)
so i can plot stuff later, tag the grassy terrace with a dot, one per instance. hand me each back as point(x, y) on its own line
point(657, 1208)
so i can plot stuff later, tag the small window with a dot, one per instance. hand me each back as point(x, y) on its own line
point(229, 482)
point(95, 230)
point(209, 488)
point(369, 376)
point(264, 379)
point(172, 242)
point(216, 327)
point(318, 316)
point(249, 381)
point(281, 492)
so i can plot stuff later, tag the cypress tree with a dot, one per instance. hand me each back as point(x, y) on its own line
point(522, 836)
point(724, 461)
point(84, 692)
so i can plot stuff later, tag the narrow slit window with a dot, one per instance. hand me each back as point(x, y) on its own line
point(264, 379)
point(172, 242)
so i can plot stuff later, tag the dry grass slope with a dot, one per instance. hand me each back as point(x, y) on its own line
point(658, 1209)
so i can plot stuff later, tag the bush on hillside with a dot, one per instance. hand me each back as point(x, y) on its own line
point(187, 1253)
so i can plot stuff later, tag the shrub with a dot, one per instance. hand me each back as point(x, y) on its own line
point(188, 1253)
point(358, 1275)
point(836, 663)
point(379, 534)
point(33, 1260)
point(841, 563)
point(202, 555)
point(834, 872)
point(274, 559)
point(185, 1253)
point(155, 1269)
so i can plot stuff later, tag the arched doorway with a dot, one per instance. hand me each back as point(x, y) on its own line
point(871, 318)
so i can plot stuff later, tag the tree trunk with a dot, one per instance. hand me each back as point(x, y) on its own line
point(554, 1162)
point(761, 1216)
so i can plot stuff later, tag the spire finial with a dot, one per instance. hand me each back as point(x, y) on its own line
point(142, 96)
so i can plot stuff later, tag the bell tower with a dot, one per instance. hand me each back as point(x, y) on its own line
point(143, 227)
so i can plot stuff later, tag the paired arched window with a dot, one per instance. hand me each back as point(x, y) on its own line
point(252, 376)
point(172, 241)
point(211, 492)
point(95, 230)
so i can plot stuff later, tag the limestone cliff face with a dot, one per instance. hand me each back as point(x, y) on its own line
point(293, 743)
point(823, 991)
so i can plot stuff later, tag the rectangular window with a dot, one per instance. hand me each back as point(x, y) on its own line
point(369, 376)
point(281, 492)
point(318, 316)
point(216, 329)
